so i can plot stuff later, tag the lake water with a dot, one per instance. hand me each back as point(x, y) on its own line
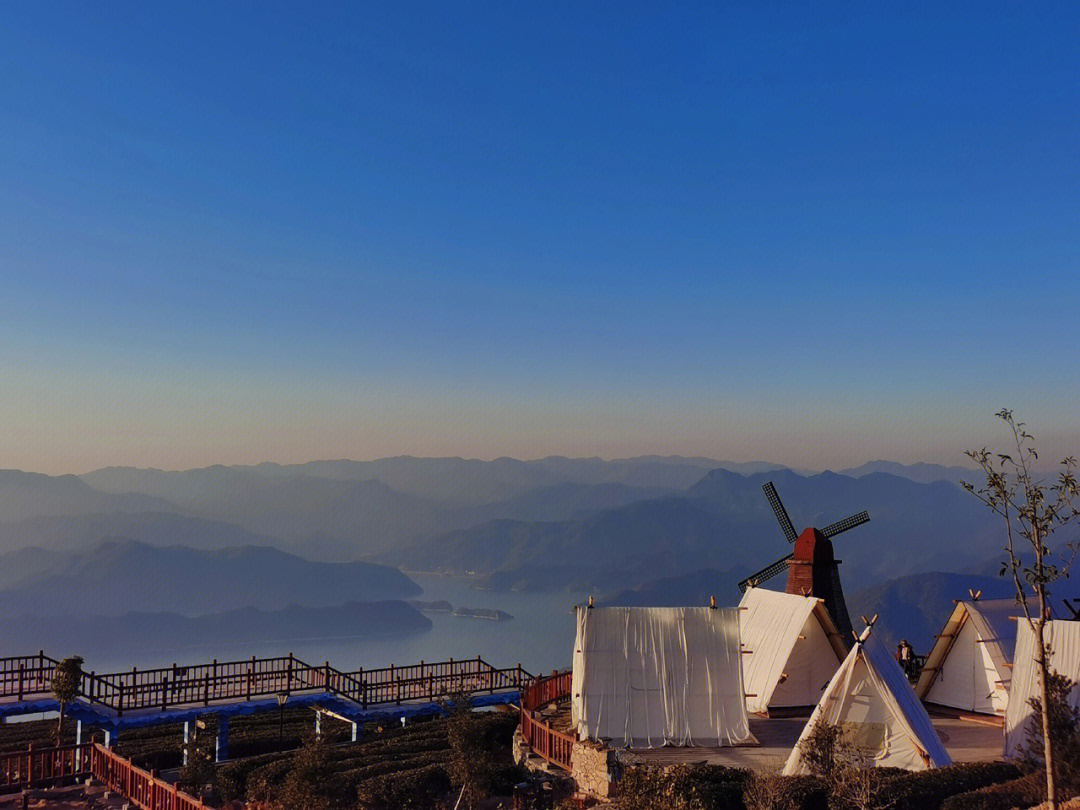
point(540, 636)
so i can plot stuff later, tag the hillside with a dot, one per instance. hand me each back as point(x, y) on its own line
point(25, 495)
point(80, 531)
point(622, 545)
point(689, 589)
point(124, 576)
point(916, 607)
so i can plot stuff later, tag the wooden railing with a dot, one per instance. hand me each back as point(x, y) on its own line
point(168, 687)
point(46, 767)
point(30, 676)
point(549, 689)
point(26, 675)
point(43, 767)
point(553, 745)
point(143, 788)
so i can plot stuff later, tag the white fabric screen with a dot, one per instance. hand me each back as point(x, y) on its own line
point(645, 677)
point(1063, 640)
point(791, 658)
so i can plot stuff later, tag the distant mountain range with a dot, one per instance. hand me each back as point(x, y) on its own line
point(26, 495)
point(81, 531)
point(724, 522)
point(205, 636)
point(342, 510)
point(920, 472)
point(554, 522)
point(122, 576)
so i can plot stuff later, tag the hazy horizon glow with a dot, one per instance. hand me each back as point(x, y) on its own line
point(816, 236)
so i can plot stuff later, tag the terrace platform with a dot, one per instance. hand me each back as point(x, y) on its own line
point(117, 701)
point(966, 741)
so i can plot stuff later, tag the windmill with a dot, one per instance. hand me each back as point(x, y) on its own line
point(811, 568)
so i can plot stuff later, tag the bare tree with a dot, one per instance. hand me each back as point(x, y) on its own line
point(1032, 509)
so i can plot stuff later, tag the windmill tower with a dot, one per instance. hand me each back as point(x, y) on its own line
point(811, 568)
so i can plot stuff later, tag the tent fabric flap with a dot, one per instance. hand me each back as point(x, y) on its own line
point(646, 677)
point(1063, 643)
point(871, 699)
point(791, 649)
point(969, 665)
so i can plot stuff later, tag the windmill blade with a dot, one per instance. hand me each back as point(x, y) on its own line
point(767, 573)
point(780, 512)
point(845, 524)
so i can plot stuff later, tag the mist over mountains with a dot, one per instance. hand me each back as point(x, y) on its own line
point(662, 529)
point(724, 522)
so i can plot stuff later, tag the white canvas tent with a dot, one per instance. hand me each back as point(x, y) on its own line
point(646, 677)
point(1063, 640)
point(793, 649)
point(969, 667)
point(871, 699)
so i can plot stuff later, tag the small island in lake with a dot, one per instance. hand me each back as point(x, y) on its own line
point(440, 606)
point(482, 613)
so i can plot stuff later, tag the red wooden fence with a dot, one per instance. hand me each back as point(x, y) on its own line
point(46, 767)
point(143, 788)
point(42, 767)
point(554, 746)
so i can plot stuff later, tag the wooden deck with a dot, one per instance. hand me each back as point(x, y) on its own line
point(965, 741)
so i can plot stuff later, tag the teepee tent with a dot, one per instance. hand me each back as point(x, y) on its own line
point(792, 650)
point(871, 700)
point(646, 677)
point(969, 666)
point(1063, 640)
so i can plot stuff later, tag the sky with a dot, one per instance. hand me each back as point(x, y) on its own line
point(816, 234)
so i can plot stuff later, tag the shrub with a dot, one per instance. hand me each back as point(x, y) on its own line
point(233, 778)
point(1027, 791)
point(682, 787)
point(765, 791)
point(418, 788)
point(822, 749)
point(927, 790)
point(200, 770)
point(263, 782)
point(1064, 733)
point(311, 782)
point(477, 741)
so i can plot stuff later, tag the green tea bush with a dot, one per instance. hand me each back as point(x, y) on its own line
point(1027, 791)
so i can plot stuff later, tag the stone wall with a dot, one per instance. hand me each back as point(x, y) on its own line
point(595, 769)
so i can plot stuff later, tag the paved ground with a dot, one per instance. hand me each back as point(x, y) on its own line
point(72, 798)
point(965, 740)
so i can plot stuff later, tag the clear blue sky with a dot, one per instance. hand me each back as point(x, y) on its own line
point(817, 234)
